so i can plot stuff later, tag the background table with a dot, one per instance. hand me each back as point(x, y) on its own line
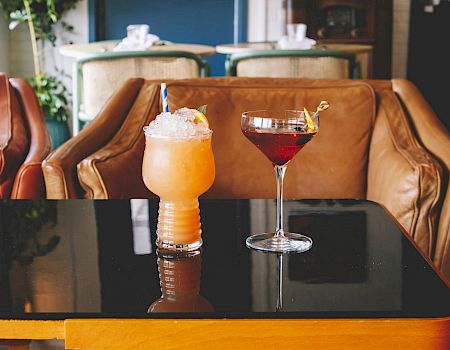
point(363, 52)
point(82, 50)
point(363, 283)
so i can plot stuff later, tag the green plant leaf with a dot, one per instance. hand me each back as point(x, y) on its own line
point(18, 16)
point(202, 109)
point(25, 260)
point(52, 243)
point(52, 96)
point(22, 223)
point(13, 24)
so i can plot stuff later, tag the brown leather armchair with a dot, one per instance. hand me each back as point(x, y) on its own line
point(379, 141)
point(24, 141)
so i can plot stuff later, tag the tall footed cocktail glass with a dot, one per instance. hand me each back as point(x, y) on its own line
point(178, 166)
point(280, 138)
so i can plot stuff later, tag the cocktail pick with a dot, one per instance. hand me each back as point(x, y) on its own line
point(323, 106)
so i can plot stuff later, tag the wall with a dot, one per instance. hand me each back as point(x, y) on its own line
point(266, 20)
point(21, 55)
point(400, 38)
point(4, 44)
point(429, 57)
point(78, 18)
point(208, 22)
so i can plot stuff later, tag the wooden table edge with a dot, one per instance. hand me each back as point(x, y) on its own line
point(76, 51)
point(229, 48)
point(248, 334)
point(32, 329)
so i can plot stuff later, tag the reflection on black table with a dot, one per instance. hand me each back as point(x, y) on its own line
point(105, 265)
point(179, 276)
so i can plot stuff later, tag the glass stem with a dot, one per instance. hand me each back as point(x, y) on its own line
point(280, 170)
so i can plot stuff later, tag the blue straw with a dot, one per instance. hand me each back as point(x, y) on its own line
point(164, 97)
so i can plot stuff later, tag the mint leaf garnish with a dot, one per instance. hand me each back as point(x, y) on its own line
point(202, 109)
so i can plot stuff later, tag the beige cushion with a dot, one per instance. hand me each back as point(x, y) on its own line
point(101, 78)
point(294, 67)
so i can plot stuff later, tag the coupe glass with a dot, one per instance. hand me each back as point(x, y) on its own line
point(280, 139)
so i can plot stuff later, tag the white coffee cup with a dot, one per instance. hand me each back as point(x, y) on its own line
point(138, 32)
point(296, 31)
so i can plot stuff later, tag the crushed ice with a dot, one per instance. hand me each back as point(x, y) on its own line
point(179, 124)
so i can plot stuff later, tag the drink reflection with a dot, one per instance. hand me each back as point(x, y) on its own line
point(179, 276)
point(279, 306)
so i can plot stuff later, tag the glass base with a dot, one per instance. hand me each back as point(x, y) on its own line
point(269, 242)
point(176, 254)
point(168, 246)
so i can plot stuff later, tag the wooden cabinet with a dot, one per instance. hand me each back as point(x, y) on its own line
point(349, 22)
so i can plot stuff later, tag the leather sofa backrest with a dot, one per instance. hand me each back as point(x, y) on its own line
point(13, 136)
point(332, 165)
point(403, 175)
point(430, 132)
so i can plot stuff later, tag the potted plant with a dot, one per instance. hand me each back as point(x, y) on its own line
point(22, 240)
point(42, 16)
point(52, 96)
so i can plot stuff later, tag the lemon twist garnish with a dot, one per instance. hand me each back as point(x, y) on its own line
point(308, 118)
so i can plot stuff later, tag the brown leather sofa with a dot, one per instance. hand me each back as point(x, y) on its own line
point(24, 141)
point(379, 140)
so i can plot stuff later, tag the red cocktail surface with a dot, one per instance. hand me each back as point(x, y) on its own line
point(280, 148)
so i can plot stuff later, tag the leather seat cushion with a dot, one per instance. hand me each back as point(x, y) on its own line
point(332, 165)
point(13, 136)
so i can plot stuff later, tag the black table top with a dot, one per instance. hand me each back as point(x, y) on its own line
point(81, 258)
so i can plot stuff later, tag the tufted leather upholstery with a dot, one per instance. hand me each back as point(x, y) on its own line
point(24, 141)
point(369, 146)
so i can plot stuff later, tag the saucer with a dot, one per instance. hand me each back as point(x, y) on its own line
point(285, 44)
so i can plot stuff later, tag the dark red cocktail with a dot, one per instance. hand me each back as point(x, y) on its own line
point(279, 148)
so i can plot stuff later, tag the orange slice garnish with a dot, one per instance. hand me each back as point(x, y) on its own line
point(309, 120)
point(200, 117)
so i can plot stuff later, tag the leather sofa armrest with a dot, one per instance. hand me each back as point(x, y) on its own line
point(14, 140)
point(60, 167)
point(403, 175)
point(434, 136)
point(115, 170)
point(29, 180)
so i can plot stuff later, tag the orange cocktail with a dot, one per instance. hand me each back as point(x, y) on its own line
point(178, 166)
